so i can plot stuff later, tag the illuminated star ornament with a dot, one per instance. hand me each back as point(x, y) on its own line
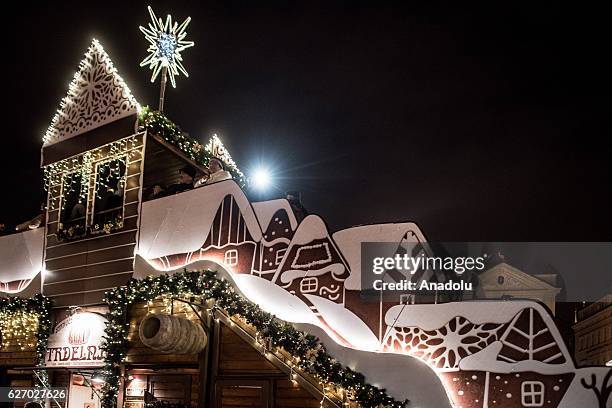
point(167, 41)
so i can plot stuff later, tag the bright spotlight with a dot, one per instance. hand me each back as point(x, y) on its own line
point(261, 179)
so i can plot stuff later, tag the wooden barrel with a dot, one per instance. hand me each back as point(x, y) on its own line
point(172, 334)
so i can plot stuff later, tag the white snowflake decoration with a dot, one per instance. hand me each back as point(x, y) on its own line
point(167, 41)
point(444, 347)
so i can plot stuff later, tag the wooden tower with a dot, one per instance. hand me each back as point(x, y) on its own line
point(93, 159)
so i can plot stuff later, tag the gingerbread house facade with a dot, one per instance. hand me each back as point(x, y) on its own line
point(103, 231)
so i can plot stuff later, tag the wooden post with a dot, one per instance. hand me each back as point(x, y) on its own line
point(215, 348)
point(204, 362)
point(162, 90)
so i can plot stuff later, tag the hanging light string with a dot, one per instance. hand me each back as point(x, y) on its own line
point(19, 328)
point(74, 173)
point(25, 323)
point(108, 170)
point(81, 81)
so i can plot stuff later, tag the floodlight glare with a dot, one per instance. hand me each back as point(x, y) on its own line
point(261, 179)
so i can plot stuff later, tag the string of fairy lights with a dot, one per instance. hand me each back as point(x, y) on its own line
point(81, 82)
point(25, 324)
point(156, 123)
point(109, 170)
point(306, 353)
point(19, 328)
point(74, 173)
point(216, 149)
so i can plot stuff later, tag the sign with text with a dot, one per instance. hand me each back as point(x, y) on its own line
point(76, 342)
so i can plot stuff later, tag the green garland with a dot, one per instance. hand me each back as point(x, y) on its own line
point(313, 358)
point(41, 305)
point(158, 124)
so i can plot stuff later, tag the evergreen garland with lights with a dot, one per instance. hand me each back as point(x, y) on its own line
point(39, 306)
point(306, 349)
point(157, 123)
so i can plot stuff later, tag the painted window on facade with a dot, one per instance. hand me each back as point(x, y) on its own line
point(279, 255)
point(309, 285)
point(231, 257)
point(532, 394)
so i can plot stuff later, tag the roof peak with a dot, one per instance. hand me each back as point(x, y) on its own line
point(97, 95)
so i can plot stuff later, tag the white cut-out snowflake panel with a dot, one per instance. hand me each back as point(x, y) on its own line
point(97, 95)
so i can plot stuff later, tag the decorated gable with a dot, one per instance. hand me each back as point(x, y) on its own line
point(223, 230)
point(528, 338)
point(278, 227)
point(504, 280)
point(278, 224)
point(229, 226)
point(97, 95)
point(193, 220)
point(313, 266)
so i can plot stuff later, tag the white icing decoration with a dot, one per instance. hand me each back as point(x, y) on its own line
point(325, 260)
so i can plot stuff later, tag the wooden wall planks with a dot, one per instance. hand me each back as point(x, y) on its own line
point(79, 271)
point(241, 375)
point(246, 378)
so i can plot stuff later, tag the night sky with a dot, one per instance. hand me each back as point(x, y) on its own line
point(477, 122)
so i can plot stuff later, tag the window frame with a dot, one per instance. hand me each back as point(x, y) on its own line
point(533, 394)
point(227, 256)
point(282, 252)
point(306, 282)
point(62, 198)
point(91, 214)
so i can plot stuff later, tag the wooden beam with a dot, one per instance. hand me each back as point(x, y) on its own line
point(179, 153)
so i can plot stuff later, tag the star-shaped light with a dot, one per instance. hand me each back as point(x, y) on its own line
point(167, 41)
